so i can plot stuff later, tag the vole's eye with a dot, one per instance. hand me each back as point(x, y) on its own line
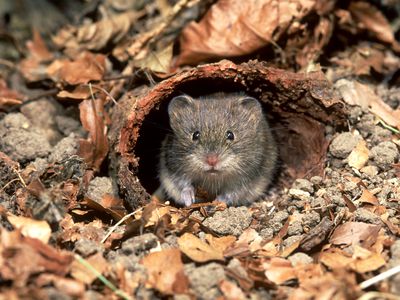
point(196, 135)
point(230, 136)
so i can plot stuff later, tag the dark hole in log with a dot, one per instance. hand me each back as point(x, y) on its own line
point(156, 126)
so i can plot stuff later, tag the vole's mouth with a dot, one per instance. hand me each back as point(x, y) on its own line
point(212, 172)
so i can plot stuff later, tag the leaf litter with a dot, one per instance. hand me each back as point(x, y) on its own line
point(330, 227)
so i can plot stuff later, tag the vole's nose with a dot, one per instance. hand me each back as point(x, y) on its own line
point(212, 159)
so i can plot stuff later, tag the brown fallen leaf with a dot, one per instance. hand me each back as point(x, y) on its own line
point(83, 273)
point(359, 156)
point(95, 148)
point(159, 61)
point(368, 197)
point(97, 35)
point(306, 272)
point(33, 67)
point(221, 243)
point(198, 250)
point(66, 286)
point(353, 233)
point(328, 286)
point(355, 93)
point(38, 229)
point(231, 291)
point(80, 92)
point(165, 271)
point(23, 258)
point(279, 270)
point(108, 204)
point(84, 68)
point(38, 49)
point(365, 260)
point(335, 258)
point(8, 102)
point(373, 20)
point(7, 93)
point(362, 60)
point(227, 30)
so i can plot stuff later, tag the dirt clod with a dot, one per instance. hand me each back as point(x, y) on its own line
point(343, 144)
point(99, 187)
point(385, 154)
point(202, 283)
point(230, 221)
point(300, 258)
point(20, 140)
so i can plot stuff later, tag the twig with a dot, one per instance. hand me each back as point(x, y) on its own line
point(8, 183)
point(101, 89)
point(116, 290)
point(380, 277)
point(112, 229)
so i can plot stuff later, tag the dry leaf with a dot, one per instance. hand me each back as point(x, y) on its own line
point(38, 49)
point(97, 35)
point(368, 197)
point(372, 20)
point(231, 291)
point(165, 271)
point(66, 286)
point(355, 93)
point(159, 61)
point(84, 274)
point(31, 228)
point(8, 102)
point(352, 233)
point(86, 67)
point(109, 205)
point(365, 260)
point(79, 92)
point(26, 258)
point(335, 258)
point(358, 157)
point(279, 270)
point(95, 148)
point(198, 250)
point(221, 243)
point(227, 30)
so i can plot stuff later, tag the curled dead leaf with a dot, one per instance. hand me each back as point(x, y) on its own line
point(352, 233)
point(81, 272)
point(373, 20)
point(97, 35)
point(198, 250)
point(37, 229)
point(358, 157)
point(86, 67)
point(227, 30)
point(165, 271)
point(355, 93)
point(95, 148)
point(279, 270)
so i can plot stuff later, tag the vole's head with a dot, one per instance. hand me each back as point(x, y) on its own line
point(217, 135)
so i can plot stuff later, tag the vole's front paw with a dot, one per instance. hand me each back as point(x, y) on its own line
point(187, 196)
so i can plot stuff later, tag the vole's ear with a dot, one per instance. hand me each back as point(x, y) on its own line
point(179, 103)
point(251, 104)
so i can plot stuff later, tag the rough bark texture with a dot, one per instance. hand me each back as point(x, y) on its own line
point(302, 102)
